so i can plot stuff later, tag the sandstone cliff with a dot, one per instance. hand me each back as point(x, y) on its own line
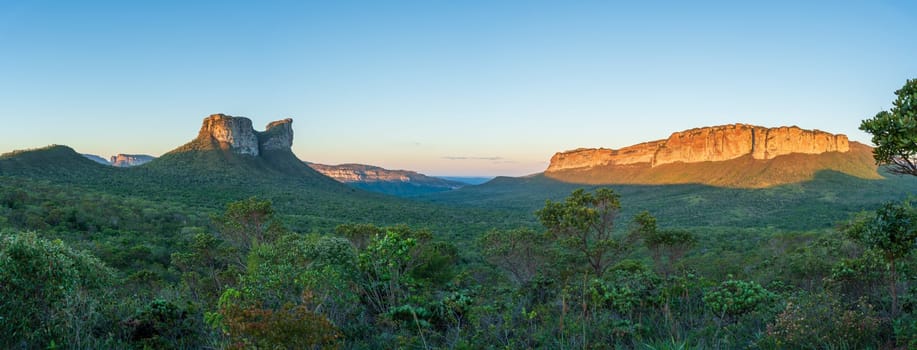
point(710, 144)
point(237, 135)
point(396, 182)
point(234, 133)
point(368, 173)
point(735, 155)
point(277, 135)
point(127, 160)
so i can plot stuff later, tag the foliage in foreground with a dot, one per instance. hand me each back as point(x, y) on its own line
point(251, 283)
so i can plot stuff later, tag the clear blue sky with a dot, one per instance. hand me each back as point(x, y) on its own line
point(442, 87)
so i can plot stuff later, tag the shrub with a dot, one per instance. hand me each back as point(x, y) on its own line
point(736, 298)
point(49, 293)
point(820, 321)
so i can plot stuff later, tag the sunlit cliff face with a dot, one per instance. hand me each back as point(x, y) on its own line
point(238, 135)
point(716, 143)
point(738, 155)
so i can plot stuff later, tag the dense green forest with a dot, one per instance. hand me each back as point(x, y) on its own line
point(134, 274)
point(207, 249)
point(90, 266)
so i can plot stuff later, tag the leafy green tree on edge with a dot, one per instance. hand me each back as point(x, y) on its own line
point(894, 132)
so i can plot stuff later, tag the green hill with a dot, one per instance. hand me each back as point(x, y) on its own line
point(821, 202)
point(206, 180)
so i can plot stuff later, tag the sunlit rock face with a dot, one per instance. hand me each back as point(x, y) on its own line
point(128, 160)
point(278, 135)
point(709, 144)
point(361, 173)
point(238, 135)
point(234, 133)
point(590, 157)
point(364, 173)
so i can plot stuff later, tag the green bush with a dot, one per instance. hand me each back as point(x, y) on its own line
point(821, 321)
point(162, 324)
point(49, 293)
point(735, 298)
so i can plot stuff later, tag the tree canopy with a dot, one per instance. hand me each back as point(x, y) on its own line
point(894, 132)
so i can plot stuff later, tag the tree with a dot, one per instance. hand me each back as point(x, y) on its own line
point(892, 232)
point(669, 244)
point(522, 252)
point(894, 132)
point(359, 235)
point(386, 268)
point(249, 325)
point(248, 223)
point(734, 298)
point(49, 293)
point(290, 295)
point(584, 223)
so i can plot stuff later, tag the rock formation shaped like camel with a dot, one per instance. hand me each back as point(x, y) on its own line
point(238, 135)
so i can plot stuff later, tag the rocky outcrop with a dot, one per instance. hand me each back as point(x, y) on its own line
point(278, 135)
point(710, 144)
point(394, 182)
point(128, 160)
point(234, 133)
point(367, 173)
point(590, 157)
point(237, 135)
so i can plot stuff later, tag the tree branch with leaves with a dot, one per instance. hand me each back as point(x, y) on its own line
point(894, 132)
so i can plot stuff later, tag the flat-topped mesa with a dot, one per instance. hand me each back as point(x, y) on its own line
point(590, 157)
point(710, 144)
point(238, 135)
point(363, 173)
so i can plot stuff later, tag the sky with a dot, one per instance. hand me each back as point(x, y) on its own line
point(466, 88)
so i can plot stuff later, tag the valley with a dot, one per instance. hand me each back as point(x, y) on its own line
point(744, 218)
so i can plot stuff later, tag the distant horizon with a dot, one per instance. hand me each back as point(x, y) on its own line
point(464, 88)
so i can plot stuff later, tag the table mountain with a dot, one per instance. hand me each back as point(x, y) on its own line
point(736, 155)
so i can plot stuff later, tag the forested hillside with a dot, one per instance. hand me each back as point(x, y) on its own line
point(208, 248)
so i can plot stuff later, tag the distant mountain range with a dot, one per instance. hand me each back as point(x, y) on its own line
point(394, 182)
point(121, 160)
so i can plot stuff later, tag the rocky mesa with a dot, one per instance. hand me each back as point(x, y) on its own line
point(367, 173)
point(395, 182)
point(736, 155)
point(236, 134)
point(709, 144)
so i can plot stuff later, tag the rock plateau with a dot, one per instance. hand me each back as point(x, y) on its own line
point(708, 144)
point(737, 155)
point(396, 182)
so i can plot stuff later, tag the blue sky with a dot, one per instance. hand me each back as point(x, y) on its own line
point(442, 87)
